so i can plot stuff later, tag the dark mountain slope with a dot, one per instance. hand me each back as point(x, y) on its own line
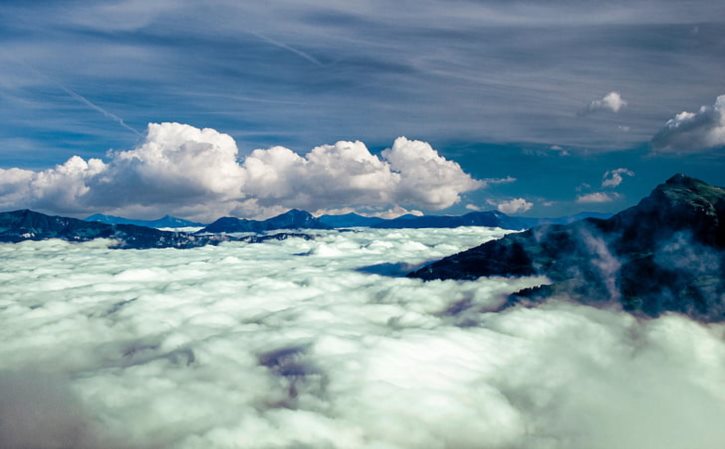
point(667, 253)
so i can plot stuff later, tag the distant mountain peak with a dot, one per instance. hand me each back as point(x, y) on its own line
point(682, 179)
point(296, 212)
point(292, 219)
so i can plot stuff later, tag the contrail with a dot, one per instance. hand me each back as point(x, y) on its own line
point(95, 107)
point(78, 96)
point(284, 46)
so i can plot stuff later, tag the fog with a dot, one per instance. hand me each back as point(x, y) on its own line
point(316, 344)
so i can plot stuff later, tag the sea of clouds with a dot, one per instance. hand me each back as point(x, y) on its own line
point(314, 344)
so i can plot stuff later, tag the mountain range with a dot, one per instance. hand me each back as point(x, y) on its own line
point(167, 221)
point(666, 254)
point(21, 225)
point(299, 219)
point(292, 219)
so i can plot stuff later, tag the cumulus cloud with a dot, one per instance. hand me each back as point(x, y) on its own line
point(613, 178)
point(195, 172)
point(514, 206)
point(409, 173)
point(291, 344)
point(613, 102)
point(597, 197)
point(693, 131)
point(177, 168)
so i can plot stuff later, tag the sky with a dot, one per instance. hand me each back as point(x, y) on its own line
point(535, 108)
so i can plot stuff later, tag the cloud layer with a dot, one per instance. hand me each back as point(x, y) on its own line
point(195, 172)
point(693, 131)
point(289, 345)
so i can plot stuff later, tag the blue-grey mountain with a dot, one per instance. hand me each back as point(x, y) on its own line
point(484, 218)
point(293, 219)
point(351, 220)
point(167, 221)
point(21, 225)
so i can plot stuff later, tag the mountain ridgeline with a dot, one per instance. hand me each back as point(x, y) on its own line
point(167, 221)
point(293, 219)
point(666, 254)
point(22, 225)
point(298, 219)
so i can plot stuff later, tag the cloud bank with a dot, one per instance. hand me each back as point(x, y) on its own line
point(290, 345)
point(693, 131)
point(195, 172)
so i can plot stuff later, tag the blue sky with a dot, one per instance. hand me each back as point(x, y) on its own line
point(503, 88)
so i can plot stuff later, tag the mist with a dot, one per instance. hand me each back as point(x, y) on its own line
point(315, 344)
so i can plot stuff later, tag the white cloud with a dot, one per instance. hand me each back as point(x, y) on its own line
point(514, 206)
point(287, 344)
point(613, 102)
point(693, 131)
point(194, 172)
point(346, 174)
point(495, 181)
point(613, 178)
point(561, 150)
point(426, 178)
point(597, 197)
point(473, 207)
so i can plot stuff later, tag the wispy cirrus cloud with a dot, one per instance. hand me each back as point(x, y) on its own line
point(378, 78)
